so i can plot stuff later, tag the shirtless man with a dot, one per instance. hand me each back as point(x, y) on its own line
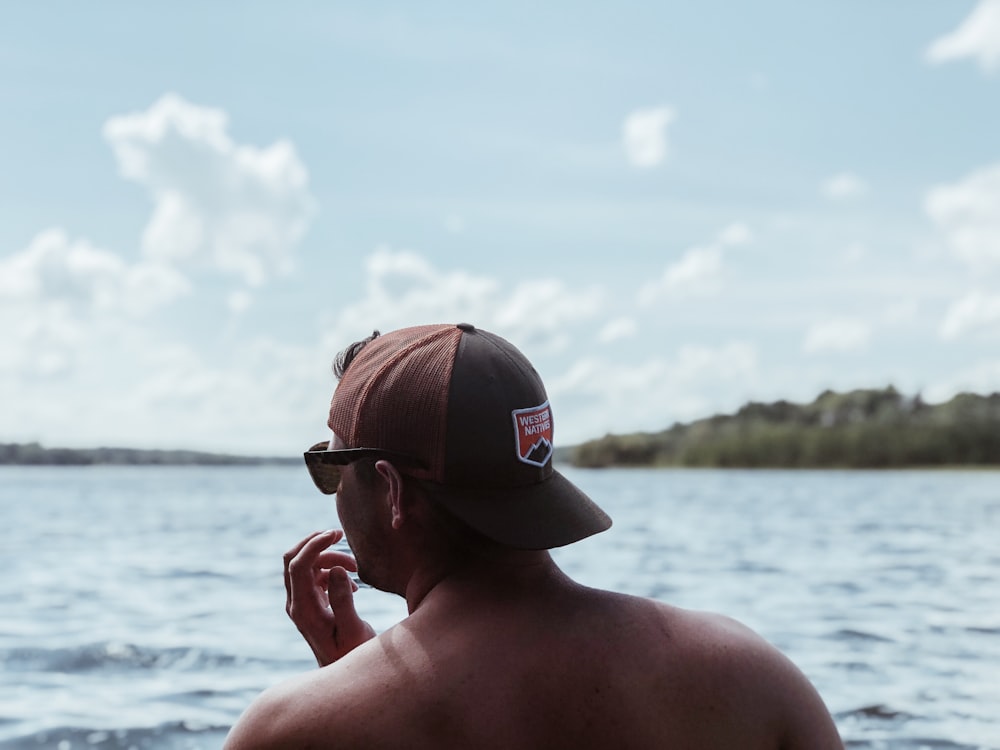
point(441, 461)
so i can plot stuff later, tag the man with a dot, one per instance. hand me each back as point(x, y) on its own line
point(441, 461)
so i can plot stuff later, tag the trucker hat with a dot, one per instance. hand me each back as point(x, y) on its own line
point(465, 410)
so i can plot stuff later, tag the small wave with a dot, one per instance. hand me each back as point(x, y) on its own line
point(751, 566)
point(984, 629)
point(853, 666)
point(172, 573)
point(112, 655)
point(875, 711)
point(170, 736)
point(849, 634)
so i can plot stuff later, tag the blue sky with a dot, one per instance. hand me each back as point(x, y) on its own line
point(672, 208)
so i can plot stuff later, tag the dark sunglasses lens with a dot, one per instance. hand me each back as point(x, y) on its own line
point(326, 477)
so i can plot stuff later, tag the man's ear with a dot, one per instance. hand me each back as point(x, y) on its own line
point(394, 491)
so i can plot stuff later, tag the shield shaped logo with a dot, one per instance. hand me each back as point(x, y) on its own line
point(533, 427)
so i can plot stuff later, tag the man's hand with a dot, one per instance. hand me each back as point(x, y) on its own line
point(320, 597)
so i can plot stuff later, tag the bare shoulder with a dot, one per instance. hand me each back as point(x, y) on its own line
point(758, 678)
point(310, 709)
point(286, 714)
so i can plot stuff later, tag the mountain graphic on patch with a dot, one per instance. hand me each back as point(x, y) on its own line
point(539, 452)
point(533, 433)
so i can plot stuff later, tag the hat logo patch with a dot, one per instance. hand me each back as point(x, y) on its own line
point(533, 427)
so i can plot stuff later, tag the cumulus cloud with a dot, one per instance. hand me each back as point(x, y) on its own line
point(84, 355)
point(59, 295)
point(844, 186)
point(983, 377)
point(977, 37)
point(239, 301)
point(837, 335)
point(235, 208)
point(968, 212)
point(644, 135)
point(699, 270)
point(617, 329)
point(55, 269)
point(736, 234)
point(403, 288)
point(597, 395)
point(975, 310)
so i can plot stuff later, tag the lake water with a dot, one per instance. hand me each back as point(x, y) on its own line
point(144, 607)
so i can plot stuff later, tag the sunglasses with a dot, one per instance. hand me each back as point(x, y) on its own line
point(326, 465)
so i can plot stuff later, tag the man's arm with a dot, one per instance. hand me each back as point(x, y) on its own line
point(766, 688)
point(809, 725)
point(803, 717)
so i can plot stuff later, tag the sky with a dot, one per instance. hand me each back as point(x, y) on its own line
point(672, 208)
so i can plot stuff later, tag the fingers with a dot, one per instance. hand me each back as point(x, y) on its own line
point(335, 559)
point(340, 589)
point(350, 628)
point(320, 596)
point(300, 560)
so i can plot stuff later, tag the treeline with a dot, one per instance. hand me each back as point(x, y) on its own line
point(860, 429)
point(34, 454)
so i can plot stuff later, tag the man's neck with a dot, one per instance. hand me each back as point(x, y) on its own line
point(487, 575)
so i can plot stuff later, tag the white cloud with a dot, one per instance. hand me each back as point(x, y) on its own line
point(285, 386)
point(978, 36)
point(697, 272)
point(74, 273)
point(736, 234)
point(63, 302)
point(84, 359)
point(239, 301)
point(843, 186)
point(968, 212)
point(595, 396)
point(236, 208)
point(38, 342)
point(974, 310)
point(617, 329)
point(405, 289)
point(542, 308)
point(980, 378)
point(644, 135)
point(837, 335)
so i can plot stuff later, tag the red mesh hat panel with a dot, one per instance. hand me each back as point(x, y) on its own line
point(395, 395)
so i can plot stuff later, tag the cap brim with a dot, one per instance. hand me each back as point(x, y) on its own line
point(551, 513)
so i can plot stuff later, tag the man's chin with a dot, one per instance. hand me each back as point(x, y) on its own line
point(371, 579)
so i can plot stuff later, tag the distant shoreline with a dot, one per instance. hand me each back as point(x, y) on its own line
point(34, 454)
point(860, 429)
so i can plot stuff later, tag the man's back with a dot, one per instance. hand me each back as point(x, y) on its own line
point(529, 659)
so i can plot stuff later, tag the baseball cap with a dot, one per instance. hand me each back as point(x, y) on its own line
point(471, 412)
